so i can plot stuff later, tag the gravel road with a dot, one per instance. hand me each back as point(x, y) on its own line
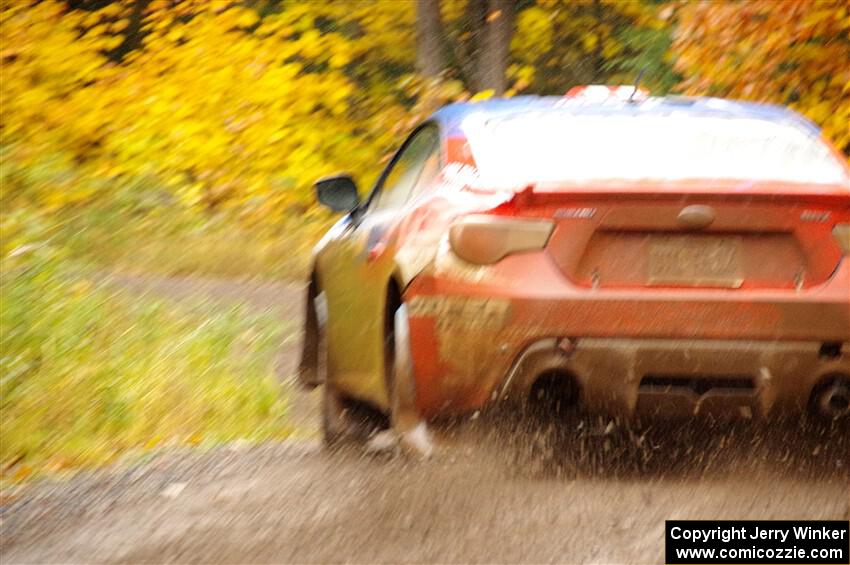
point(500, 489)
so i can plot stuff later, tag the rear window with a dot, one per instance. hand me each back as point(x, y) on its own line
point(556, 147)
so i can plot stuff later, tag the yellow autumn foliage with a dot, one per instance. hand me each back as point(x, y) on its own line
point(795, 53)
point(235, 108)
point(219, 108)
point(558, 44)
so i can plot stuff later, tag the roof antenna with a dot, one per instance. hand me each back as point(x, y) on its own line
point(637, 85)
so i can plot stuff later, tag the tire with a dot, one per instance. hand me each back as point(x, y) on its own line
point(307, 375)
point(399, 373)
point(332, 409)
point(405, 419)
point(333, 417)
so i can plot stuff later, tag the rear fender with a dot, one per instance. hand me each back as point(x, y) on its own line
point(420, 239)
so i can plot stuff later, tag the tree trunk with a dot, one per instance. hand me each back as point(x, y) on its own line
point(476, 19)
point(133, 33)
point(429, 57)
point(493, 56)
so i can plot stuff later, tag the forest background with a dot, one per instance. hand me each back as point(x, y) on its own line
point(183, 137)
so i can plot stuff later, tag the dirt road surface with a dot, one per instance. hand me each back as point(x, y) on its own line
point(501, 489)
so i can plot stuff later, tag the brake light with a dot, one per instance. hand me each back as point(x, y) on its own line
point(603, 93)
point(484, 240)
point(841, 233)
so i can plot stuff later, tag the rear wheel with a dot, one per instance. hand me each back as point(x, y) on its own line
point(406, 421)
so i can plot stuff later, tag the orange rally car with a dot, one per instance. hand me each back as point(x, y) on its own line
point(630, 254)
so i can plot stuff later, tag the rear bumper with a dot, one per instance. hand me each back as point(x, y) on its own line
point(672, 378)
point(629, 350)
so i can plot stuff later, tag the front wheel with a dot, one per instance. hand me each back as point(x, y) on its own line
point(332, 410)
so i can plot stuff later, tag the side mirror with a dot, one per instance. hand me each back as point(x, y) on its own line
point(337, 192)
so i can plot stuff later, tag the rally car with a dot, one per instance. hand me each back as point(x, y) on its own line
point(629, 254)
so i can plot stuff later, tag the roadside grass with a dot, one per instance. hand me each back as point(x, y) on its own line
point(88, 373)
point(172, 242)
point(135, 227)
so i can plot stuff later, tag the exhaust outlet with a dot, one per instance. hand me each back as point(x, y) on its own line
point(833, 400)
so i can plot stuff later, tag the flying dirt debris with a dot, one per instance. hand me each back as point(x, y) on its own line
point(537, 315)
point(530, 248)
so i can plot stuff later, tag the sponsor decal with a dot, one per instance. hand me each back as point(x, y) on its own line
point(460, 174)
point(818, 216)
point(461, 312)
point(575, 213)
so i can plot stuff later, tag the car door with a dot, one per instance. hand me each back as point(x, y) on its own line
point(356, 270)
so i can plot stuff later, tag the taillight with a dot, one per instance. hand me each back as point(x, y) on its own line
point(841, 233)
point(487, 239)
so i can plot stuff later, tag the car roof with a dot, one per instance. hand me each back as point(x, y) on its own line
point(450, 117)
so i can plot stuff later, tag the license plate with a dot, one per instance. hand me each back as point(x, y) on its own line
point(695, 261)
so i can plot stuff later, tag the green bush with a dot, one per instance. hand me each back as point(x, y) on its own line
point(88, 373)
point(134, 226)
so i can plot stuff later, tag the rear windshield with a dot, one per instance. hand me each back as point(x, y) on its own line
point(558, 147)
